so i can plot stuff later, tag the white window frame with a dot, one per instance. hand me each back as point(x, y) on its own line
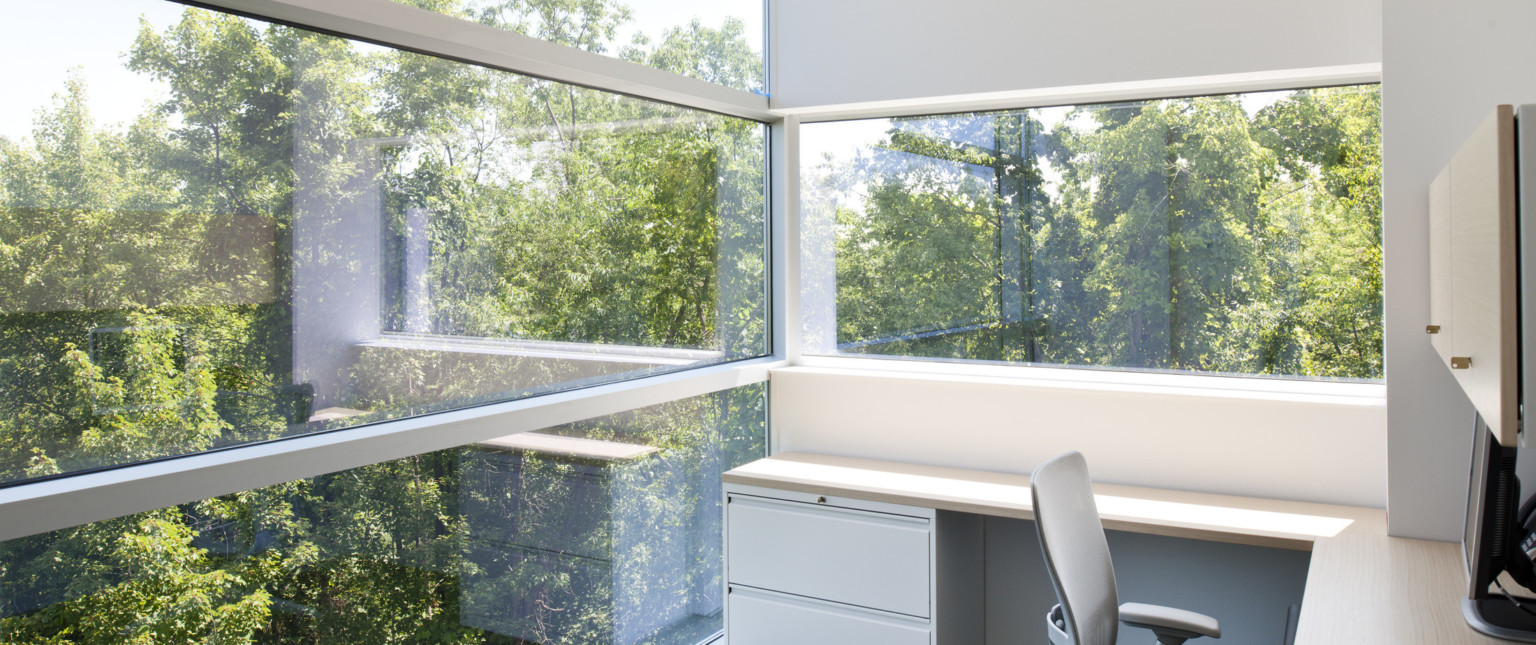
point(1172, 383)
point(73, 500)
point(43, 506)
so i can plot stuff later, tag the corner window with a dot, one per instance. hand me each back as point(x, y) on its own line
point(1234, 234)
point(217, 231)
point(604, 531)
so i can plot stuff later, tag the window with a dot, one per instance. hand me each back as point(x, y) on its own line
point(605, 531)
point(1234, 234)
point(711, 40)
point(220, 231)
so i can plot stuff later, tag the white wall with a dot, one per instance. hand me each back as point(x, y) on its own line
point(1262, 445)
point(1445, 65)
point(864, 50)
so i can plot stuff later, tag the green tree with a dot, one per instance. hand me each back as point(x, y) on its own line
point(144, 312)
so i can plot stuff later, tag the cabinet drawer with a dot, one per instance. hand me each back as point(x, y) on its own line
point(761, 618)
point(874, 560)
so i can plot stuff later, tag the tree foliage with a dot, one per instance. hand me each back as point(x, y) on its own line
point(147, 291)
point(1183, 234)
point(147, 294)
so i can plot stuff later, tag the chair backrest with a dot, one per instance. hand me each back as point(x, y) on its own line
point(1076, 552)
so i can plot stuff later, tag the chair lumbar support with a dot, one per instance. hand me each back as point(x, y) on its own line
point(1171, 626)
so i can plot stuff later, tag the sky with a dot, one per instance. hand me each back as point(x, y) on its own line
point(39, 54)
point(38, 58)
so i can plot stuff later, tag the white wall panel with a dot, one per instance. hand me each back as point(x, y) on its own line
point(1445, 65)
point(869, 50)
point(1286, 446)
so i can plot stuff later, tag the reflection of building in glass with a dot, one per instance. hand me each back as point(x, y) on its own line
point(572, 540)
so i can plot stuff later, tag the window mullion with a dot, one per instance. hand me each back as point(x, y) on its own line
point(405, 27)
point(54, 504)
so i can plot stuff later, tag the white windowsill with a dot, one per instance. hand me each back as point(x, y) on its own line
point(544, 349)
point(1198, 385)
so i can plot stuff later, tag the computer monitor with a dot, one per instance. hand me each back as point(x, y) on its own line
point(1493, 498)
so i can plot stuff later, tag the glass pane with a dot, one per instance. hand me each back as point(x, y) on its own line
point(720, 41)
point(606, 531)
point(1230, 234)
point(221, 231)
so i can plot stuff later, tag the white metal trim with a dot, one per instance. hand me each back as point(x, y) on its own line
point(770, 49)
point(596, 352)
point(1097, 93)
point(71, 501)
point(405, 27)
point(784, 192)
point(784, 238)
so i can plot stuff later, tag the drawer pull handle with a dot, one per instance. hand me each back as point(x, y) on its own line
point(821, 500)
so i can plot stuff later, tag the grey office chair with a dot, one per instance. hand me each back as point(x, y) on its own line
point(1078, 558)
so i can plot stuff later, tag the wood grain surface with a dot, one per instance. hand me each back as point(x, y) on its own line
point(1202, 516)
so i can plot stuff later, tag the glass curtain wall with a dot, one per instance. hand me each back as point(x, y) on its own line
point(605, 531)
point(1236, 234)
point(216, 231)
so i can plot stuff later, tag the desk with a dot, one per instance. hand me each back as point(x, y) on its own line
point(1362, 586)
point(1379, 589)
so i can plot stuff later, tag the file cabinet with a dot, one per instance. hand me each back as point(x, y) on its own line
point(808, 568)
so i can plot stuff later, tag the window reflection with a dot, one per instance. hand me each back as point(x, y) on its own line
point(1231, 234)
point(605, 531)
point(292, 232)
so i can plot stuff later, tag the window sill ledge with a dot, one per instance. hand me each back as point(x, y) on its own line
point(1067, 378)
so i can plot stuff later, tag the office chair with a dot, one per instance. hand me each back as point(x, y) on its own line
point(1077, 556)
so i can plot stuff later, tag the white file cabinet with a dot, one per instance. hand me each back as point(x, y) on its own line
point(814, 569)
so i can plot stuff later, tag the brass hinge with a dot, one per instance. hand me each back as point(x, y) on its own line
point(1461, 362)
point(1431, 329)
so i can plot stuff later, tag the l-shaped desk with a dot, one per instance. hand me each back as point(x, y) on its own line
point(1362, 586)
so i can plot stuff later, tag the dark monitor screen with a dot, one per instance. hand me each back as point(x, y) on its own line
point(1492, 495)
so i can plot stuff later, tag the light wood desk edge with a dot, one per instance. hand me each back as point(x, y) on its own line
point(1008, 495)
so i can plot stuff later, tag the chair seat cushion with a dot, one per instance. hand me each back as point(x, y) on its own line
point(1168, 620)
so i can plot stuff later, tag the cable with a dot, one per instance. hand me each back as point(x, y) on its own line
point(1511, 597)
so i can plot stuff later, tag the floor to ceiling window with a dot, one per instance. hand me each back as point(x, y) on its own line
point(244, 240)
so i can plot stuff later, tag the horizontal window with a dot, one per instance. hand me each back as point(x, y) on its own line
point(605, 531)
point(1227, 234)
point(719, 41)
point(221, 231)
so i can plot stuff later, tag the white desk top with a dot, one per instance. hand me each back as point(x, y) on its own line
point(1220, 518)
point(570, 446)
point(1363, 587)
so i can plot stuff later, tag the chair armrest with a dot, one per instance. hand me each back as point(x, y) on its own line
point(1167, 620)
